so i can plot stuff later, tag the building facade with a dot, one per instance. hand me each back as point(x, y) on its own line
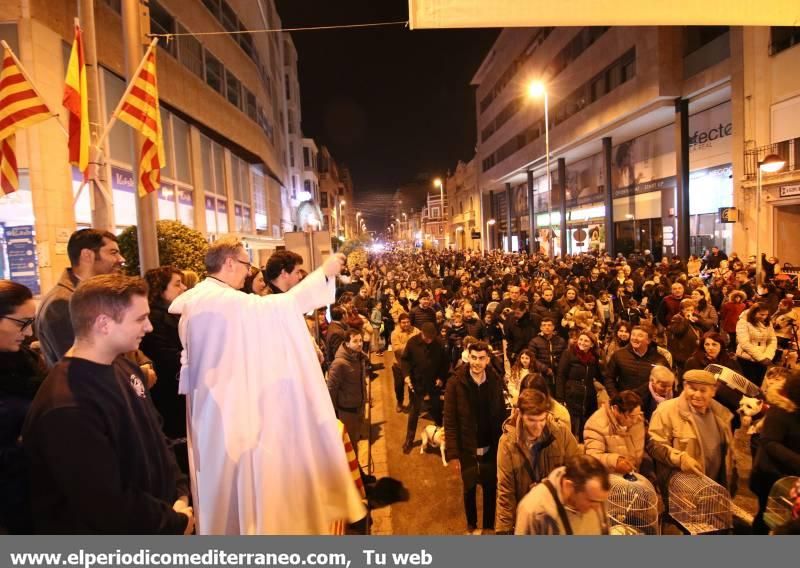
point(434, 219)
point(465, 225)
point(638, 117)
point(224, 116)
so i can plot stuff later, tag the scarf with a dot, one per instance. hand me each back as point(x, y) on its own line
point(656, 397)
point(585, 357)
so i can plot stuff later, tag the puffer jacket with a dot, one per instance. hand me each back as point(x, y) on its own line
point(575, 383)
point(605, 439)
point(673, 432)
point(516, 473)
point(346, 379)
point(548, 352)
point(542, 309)
point(682, 339)
point(755, 342)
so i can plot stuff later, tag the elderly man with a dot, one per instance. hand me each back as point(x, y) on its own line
point(659, 388)
point(629, 368)
point(570, 501)
point(692, 433)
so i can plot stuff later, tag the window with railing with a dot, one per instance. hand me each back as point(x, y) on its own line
point(787, 150)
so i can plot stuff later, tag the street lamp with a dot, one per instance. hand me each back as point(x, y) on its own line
point(358, 214)
point(536, 89)
point(771, 164)
point(489, 223)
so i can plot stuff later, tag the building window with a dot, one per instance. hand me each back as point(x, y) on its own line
point(323, 200)
point(190, 52)
point(288, 87)
point(294, 182)
point(233, 90)
point(307, 186)
point(115, 5)
point(783, 37)
point(162, 22)
point(214, 73)
point(229, 20)
point(250, 105)
point(306, 157)
point(291, 122)
point(291, 154)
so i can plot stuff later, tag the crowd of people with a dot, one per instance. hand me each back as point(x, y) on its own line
point(547, 377)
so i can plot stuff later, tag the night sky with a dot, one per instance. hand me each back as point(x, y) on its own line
point(392, 104)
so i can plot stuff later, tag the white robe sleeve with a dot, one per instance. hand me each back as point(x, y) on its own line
point(315, 291)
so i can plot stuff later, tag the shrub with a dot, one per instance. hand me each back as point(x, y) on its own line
point(178, 245)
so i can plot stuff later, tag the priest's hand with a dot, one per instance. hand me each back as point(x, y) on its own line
point(333, 264)
point(190, 524)
point(181, 504)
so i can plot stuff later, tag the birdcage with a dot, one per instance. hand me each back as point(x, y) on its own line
point(734, 380)
point(632, 506)
point(779, 504)
point(699, 504)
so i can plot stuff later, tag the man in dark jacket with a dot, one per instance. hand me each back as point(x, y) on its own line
point(519, 330)
point(547, 347)
point(629, 368)
point(671, 305)
point(99, 461)
point(90, 252)
point(472, 322)
point(424, 312)
point(336, 334)
point(346, 384)
point(546, 307)
point(425, 366)
point(474, 414)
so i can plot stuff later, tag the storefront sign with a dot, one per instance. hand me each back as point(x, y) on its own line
point(476, 235)
point(21, 251)
point(646, 187)
point(728, 214)
point(789, 190)
point(122, 180)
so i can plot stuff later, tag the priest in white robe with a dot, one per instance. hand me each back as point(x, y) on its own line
point(265, 453)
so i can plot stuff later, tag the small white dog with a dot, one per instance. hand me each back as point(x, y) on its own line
point(433, 436)
point(752, 411)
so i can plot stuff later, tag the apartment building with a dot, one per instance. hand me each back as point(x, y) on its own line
point(224, 116)
point(466, 222)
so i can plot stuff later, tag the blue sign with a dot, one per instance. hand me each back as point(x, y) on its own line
point(21, 250)
point(122, 180)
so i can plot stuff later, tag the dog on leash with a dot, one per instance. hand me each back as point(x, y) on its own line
point(433, 436)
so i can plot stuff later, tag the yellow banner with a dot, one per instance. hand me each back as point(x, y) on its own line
point(533, 13)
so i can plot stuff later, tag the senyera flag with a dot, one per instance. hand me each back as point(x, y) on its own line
point(139, 109)
point(20, 106)
point(76, 101)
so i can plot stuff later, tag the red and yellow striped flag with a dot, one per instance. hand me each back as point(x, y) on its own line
point(140, 110)
point(76, 101)
point(20, 106)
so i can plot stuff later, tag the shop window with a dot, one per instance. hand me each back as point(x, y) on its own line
point(259, 201)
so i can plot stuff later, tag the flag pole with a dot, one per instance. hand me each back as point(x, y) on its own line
point(33, 85)
point(128, 90)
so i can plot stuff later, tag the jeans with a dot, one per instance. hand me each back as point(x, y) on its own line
point(479, 470)
point(417, 397)
point(399, 384)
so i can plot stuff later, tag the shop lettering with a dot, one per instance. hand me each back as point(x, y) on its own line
point(715, 133)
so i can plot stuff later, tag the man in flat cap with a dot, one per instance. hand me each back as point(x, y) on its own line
point(692, 433)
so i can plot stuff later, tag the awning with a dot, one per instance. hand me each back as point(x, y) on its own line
point(533, 13)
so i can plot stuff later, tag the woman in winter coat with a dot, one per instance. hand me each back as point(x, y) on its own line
point(618, 339)
point(521, 368)
point(756, 342)
point(579, 379)
point(779, 448)
point(707, 318)
point(615, 433)
point(729, 314)
point(21, 373)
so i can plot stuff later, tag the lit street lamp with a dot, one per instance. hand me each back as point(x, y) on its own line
point(535, 90)
point(358, 214)
point(342, 203)
point(771, 164)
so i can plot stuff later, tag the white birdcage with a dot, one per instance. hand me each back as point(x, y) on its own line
point(632, 506)
point(779, 504)
point(734, 380)
point(699, 504)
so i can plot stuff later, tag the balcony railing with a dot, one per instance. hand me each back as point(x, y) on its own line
point(789, 150)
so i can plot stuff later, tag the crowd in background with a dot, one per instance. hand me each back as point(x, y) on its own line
point(545, 375)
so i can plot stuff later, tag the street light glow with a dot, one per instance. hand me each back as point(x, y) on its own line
point(536, 89)
point(437, 182)
point(772, 163)
point(491, 222)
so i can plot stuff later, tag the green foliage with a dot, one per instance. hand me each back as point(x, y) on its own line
point(359, 242)
point(178, 245)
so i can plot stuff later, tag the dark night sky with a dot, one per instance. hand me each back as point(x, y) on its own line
point(392, 104)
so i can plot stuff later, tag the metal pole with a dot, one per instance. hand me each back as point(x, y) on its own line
point(146, 207)
point(758, 226)
point(531, 215)
point(547, 165)
point(609, 197)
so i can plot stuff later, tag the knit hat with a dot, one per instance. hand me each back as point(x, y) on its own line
point(428, 329)
point(699, 377)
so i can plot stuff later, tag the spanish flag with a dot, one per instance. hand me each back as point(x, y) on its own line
point(20, 106)
point(140, 110)
point(76, 101)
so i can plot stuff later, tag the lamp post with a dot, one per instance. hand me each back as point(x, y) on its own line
point(535, 90)
point(770, 164)
point(358, 214)
point(408, 230)
point(489, 223)
point(342, 203)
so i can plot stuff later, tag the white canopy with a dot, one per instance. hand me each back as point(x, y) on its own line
point(534, 13)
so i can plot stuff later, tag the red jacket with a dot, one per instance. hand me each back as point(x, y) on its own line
point(729, 315)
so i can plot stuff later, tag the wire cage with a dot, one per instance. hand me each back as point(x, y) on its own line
point(699, 504)
point(779, 504)
point(734, 380)
point(632, 506)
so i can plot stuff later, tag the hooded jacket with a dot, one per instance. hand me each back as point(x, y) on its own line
point(517, 471)
point(346, 378)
